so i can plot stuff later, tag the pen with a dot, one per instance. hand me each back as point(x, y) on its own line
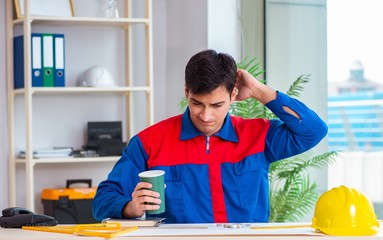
point(281, 227)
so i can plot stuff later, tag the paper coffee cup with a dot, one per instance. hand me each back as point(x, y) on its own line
point(156, 178)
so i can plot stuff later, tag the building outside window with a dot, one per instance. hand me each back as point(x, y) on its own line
point(355, 96)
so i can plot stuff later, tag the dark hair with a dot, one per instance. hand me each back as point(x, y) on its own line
point(208, 70)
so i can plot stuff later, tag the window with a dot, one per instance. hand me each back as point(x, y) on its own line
point(355, 95)
point(338, 44)
point(289, 37)
point(296, 44)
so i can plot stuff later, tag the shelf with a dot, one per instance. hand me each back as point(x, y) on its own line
point(76, 21)
point(48, 90)
point(123, 56)
point(70, 160)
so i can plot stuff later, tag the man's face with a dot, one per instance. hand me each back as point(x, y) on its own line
point(208, 111)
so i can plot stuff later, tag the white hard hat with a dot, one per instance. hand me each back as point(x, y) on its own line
point(96, 76)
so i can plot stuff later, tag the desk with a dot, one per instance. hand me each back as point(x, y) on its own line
point(189, 231)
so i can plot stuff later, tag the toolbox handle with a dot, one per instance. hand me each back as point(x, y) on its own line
point(69, 182)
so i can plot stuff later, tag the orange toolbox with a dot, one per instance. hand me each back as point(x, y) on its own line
point(70, 205)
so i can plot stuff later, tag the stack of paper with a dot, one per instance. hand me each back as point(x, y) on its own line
point(140, 222)
point(50, 153)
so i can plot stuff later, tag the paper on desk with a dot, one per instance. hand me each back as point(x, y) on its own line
point(218, 230)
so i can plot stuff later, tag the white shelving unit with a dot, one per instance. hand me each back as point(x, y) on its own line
point(28, 92)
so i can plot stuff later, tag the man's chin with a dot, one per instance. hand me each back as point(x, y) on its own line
point(207, 131)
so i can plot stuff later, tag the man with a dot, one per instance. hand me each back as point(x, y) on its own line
point(216, 165)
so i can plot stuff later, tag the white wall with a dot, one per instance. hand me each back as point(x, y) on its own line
point(193, 26)
point(224, 27)
point(186, 34)
point(159, 59)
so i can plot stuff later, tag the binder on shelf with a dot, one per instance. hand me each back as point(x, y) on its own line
point(59, 60)
point(36, 60)
point(48, 64)
point(36, 56)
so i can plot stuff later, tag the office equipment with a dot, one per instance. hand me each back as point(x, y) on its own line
point(70, 205)
point(48, 64)
point(16, 217)
point(105, 138)
point(59, 60)
point(8, 212)
point(36, 60)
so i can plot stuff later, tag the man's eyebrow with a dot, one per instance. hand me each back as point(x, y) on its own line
point(194, 100)
point(217, 103)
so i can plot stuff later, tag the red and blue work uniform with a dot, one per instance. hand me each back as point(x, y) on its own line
point(221, 178)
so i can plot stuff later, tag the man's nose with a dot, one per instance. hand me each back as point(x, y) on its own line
point(206, 114)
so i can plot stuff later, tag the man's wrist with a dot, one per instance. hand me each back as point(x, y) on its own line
point(126, 210)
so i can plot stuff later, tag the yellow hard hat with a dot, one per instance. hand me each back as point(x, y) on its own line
point(344, 211)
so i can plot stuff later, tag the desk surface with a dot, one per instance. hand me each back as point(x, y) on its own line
point(191, 231)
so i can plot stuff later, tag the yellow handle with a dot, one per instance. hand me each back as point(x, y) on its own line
point(98, 226)
point(107, 230)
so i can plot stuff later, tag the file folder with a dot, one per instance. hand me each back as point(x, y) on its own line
point(48, 63)
point(36, 60)
point(59, 60)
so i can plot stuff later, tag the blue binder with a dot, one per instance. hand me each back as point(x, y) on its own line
point(59, 60)
point(36, 60)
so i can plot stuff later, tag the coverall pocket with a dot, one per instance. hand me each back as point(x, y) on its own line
point(174, 188)
point(251, 172)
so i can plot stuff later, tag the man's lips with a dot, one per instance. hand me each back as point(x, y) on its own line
point(206, 123)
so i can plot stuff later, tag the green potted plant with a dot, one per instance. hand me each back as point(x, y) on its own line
point(292, 194)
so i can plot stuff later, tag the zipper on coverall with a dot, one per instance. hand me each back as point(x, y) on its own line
point(207, 144)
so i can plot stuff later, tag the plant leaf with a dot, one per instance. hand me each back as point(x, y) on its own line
point(296, 87)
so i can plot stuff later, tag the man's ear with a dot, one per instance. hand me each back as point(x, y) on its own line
point(186, 91)
point(234, 94)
